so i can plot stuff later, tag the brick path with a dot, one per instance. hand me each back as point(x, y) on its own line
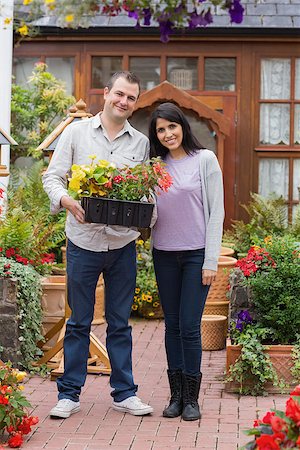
point(98, 427)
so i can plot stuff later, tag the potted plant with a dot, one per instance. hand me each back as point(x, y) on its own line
point(265, 336)
point(146, 302)
point(118, 196)
point(15, 421)
point(277, 429)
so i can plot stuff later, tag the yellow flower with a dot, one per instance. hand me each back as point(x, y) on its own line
point(137, 290)
point(134, 307)
point(144, 297)
point(268, 240)
point(149, 298)
point(69, 18)
point(27, 2)
point(20, 376)
point(92, 157)
point(23, 30)
point(155, 304)
point(48, 2)
point(21, 387)
point(7, 20)
point(139, 257)
point(140, 242)
point(151, 314)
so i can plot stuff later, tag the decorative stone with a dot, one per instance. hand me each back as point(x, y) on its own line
point(9, 324)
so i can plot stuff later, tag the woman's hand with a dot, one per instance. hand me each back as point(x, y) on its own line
point(208, 276)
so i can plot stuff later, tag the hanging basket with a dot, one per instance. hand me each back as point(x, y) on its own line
point(213, 332)
point(219, 287)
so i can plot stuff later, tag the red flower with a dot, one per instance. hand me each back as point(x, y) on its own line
point(296, 391)
point(267, 418)
point(15, 441)
point(1, 192)
point(3, 400)
point(10, 252)
point(278, 424)
point(267, 442)
point(293, 411)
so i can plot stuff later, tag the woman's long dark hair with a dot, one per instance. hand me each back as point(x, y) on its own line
point(171, 112)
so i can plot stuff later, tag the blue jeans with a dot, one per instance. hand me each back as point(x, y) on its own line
point(119, 273)
point(183, 296)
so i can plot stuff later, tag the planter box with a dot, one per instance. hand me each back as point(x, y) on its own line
point(281, 358)
point(117, 212)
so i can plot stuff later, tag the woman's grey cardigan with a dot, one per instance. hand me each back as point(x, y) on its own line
point(213, 205)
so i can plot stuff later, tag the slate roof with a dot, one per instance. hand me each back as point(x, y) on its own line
point(271, 16)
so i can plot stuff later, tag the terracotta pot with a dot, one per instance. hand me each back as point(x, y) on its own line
point(213, 328)
point(218, 289)
point(226, 251)
point(281, 358)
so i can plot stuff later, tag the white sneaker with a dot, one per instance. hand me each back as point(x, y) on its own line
point(65, 408)
point(133, 405)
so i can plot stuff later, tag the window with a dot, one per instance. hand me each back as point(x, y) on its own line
point(61, 67)
point(148, 71)
point(219, 74)
point(279, 129)
point(183, 72)
point(103, 67)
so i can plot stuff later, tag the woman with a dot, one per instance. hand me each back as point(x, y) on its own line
point(186, 246)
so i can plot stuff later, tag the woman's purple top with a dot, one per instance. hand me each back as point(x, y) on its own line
point(180, 224)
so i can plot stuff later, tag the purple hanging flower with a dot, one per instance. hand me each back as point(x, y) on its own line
point(133, 14)
point(236, 11)
point(147, 16)
point(165, 27)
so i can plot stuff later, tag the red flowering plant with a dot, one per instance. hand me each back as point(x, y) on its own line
point(15, 420)
point(278, 429)
point(257, 259)
point(104, 179)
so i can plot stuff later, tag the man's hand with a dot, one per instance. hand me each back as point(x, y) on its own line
point(74, 207)
point(208, 276)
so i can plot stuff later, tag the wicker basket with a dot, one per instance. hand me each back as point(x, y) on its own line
point(218, 289)
point(216, 308)
point(213, 330)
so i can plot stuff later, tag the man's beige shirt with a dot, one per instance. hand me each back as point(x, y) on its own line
point(78, 141)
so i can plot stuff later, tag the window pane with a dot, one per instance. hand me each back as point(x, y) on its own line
point(297, 124)
point(273, 177)
point(63, 69)
point(148, 71)
point(23, 68)
point(297, 80)
point(183, 73)
point(103, 67)
point(275, 78)
point(296, 179)
point(274, 124)
point(219, 74)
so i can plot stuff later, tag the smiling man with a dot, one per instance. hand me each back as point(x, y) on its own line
point(95, 248)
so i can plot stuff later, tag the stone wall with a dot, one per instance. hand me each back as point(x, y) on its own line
point(240, 296)
point(9, 326)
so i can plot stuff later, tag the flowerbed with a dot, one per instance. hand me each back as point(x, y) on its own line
point(15, 421)
point(278, 429)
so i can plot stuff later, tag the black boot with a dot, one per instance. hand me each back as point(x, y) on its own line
point(191, 387)
point(175, 407)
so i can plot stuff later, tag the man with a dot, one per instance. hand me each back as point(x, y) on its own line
point(95, 248)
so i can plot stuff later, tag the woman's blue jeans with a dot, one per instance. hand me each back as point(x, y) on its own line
point(183, 296)
point(119, 272)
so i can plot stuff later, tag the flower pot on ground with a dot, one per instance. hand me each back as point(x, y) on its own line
point(281, 357)
point(218, 308)
point(219, 288)
point(213, 332)
point(226, 251)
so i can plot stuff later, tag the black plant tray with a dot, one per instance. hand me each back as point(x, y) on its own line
point(117, 212)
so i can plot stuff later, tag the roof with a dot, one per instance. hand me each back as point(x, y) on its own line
point(279, 16)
